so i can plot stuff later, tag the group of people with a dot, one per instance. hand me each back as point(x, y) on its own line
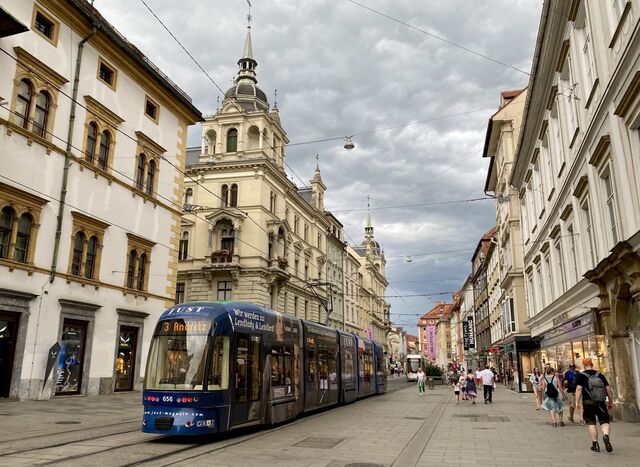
point(587, 393)
point(467, 386)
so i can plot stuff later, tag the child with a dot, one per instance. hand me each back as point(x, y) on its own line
point(463, 384)
point(456, 390)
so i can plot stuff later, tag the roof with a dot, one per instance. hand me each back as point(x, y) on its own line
point(483, 242)
point(94, 17)
point(438, 312)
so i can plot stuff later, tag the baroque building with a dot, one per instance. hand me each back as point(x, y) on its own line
point(88, 127)
point(577, 172)
point(248, 232)
point(510, 338)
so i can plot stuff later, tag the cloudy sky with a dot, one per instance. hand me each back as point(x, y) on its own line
point(342, 70)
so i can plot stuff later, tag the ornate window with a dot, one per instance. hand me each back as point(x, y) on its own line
point(44, 25)
point(103, 154)
point(138, 262)
point(19, 222)
point(233, 202)
point(229, 196)
point(147, 164)
point(184, 246)
point(232, 140)
point(25, 91)
point(224, 194)
point(92, 139)
point(100, 131)
point(41, 114)
point(188, 196)
point(86, 246)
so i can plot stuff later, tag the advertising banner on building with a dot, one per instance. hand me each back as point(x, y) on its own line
point(431, 342)
point(472, 332)
point(465, 335)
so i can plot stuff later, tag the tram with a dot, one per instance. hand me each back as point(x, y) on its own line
point(413, 362)
point(217, 366)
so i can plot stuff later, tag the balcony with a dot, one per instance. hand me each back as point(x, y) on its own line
point(221, 256)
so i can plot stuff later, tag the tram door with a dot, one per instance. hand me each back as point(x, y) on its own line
point(247, 390)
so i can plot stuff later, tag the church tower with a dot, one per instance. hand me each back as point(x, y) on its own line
point(245, 127)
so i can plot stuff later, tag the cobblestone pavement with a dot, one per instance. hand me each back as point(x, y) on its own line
point(399, 428)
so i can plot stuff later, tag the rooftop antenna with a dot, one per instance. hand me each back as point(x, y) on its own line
point(275, 99)
point(249, 15)
point(317, 161)
point(217, 103)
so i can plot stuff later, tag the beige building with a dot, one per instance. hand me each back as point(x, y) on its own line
point(248, 232)
point(89, 202)
point(511, 339)
point(577, 172)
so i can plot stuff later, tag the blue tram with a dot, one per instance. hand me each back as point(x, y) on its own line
point(216, 366)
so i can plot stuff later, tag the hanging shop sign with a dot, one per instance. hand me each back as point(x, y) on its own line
point(472, 334)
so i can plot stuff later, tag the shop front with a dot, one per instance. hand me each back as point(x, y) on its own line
point(571, 341)
point(516, 360)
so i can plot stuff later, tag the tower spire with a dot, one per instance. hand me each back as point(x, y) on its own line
point(368, 230)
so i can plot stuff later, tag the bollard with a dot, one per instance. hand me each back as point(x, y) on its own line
point(430, 383)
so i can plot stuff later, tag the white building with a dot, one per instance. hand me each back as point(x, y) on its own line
point(92, 143)
point(577, 172)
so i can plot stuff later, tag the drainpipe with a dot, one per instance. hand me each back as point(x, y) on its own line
point(67, 155)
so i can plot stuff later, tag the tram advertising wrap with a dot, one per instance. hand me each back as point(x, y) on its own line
point(216, 366)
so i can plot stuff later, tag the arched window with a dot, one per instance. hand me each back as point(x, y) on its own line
point(131, 271)
point(90, 263)
point(103, 157)
point(92, 139)
point(76, 260)
point(41, 114)
point(151, 173)
point(6, 222)
point(24, 103)
point(184, 246)
point(142, 270)
point(234, 195)
point(188, 196)
point(22, 238)
point(140, 172)
point(224, 194)
point(227, 237)
point(232, 140)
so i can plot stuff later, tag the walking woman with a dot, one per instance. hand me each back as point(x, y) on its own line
point(421, 378)
point(553, 396)
point(535, 382)
point(471, 388)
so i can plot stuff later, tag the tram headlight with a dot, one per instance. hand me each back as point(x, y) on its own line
point(190, 399)
point(184, 399)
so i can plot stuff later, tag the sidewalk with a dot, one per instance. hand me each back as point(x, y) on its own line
point(399, 428)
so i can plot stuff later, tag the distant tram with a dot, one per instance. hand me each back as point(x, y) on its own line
point(413, 362)
point(217, 366)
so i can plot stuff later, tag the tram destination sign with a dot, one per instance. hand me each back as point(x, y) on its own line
point(182, 326)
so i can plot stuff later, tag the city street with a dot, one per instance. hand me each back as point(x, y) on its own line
point(398, 428)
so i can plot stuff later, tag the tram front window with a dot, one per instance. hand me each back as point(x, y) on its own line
point(178, 355)
point(413, 365)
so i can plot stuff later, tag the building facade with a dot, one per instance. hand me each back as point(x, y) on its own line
point(336, 252)
point(577, 173)
point(88, 126)
point(248, 232)
point(479, 279)
point(511, 339)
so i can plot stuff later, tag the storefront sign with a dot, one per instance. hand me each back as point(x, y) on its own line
point(431, 342)
point(472, 333)
point(465, 335)
point(577, 327)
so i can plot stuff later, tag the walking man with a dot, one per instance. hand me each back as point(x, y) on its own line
point(488, 379)
point(593, 388)
point(569, 382)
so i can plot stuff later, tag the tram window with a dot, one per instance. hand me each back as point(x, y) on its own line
point(247, 382)
point(177, 362)
point(219, 370)
point(310, 359)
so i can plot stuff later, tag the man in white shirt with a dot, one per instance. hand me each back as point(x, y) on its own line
point(487, 384)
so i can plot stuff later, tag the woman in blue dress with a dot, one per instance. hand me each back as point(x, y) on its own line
point(470, 387)
point(552, 389)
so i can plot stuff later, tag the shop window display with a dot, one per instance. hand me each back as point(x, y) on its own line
point(71, 357)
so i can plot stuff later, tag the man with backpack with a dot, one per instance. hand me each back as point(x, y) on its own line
point(594, 389)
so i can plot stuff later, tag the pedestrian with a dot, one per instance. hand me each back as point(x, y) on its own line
point(421, 378)
point(553, 395)
point(569, 380)
point(471, 387)
point(488, 380)
point(456, 390)
point(463, 385)
point(594, 390)
point(534, 379)
point(478, 377)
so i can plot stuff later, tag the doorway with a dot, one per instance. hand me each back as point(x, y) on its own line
point(126, 358)
point(8, 334)
point(71, 358)
point(247, 388)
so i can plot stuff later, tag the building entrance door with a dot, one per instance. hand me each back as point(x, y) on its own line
point(8, 332)
point(71, 358)
point(126, 358)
